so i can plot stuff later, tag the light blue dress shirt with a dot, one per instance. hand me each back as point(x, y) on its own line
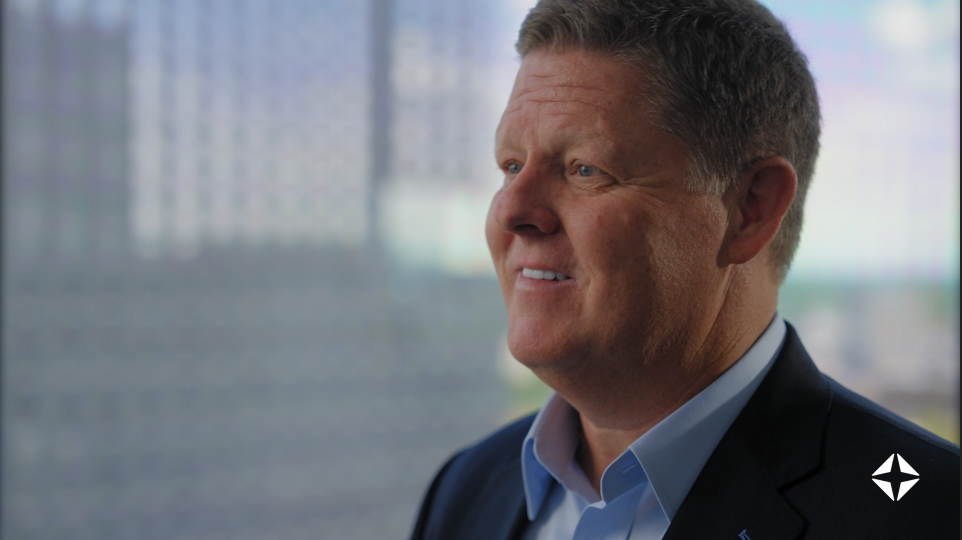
point(643, 488)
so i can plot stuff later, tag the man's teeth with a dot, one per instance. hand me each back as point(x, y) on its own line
point(542, 274)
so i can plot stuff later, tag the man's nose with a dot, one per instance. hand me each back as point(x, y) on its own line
point(526, 206)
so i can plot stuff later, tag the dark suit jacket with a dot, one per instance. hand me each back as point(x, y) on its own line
point(798, 462)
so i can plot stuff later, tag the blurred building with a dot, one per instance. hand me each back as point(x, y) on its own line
point(195, 344)
point(246, 128)
point(66, 168)
point(446, 111)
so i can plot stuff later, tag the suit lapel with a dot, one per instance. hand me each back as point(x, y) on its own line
point(775, 440)
point(733, 497)
point(503, 496)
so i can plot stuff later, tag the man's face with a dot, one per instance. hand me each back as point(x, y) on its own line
point(596, 192)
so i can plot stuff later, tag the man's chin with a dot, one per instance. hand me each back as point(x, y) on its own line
point(539, 344)
point(541, 357)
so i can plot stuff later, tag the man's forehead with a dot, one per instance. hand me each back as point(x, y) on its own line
point(584, 86)
point(575, 69)
point(553, 77)
point(587, 98)
point(578, 77)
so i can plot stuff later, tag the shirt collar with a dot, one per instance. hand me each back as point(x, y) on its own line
point(548, 452)
point(670, 455)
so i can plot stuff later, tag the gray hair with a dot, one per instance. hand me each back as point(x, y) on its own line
point(725, 78)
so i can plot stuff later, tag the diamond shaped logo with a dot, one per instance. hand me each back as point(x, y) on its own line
point(904, 479)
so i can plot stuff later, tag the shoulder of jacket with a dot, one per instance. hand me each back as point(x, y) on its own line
point(856, 417)
point(478, 482)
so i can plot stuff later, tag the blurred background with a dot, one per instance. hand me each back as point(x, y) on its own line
point(246, 292)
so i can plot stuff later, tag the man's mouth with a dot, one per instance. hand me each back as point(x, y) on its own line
point(543, 274)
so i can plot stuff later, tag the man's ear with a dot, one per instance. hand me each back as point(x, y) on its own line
point(758, 203)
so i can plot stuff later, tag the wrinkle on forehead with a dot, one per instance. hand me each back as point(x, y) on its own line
point(563, 80)
point(547, 85)
point(516, 106)
point(571, 67)
point(604, 110)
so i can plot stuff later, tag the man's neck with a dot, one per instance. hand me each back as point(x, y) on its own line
point(605, 437)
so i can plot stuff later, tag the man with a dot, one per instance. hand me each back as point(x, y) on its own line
point(656, 156)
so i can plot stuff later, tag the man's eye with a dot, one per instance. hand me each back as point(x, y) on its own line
point(586, 170)
point(513, 168)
